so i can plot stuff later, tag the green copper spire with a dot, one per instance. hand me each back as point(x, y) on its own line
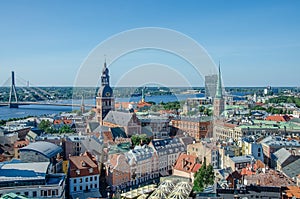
point(143, 94)
point(219, 94)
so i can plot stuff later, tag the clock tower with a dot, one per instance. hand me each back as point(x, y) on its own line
point(104, 100)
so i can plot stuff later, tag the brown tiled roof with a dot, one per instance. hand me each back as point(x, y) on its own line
point(187, 163)
point(81, 165)
point(123, 104)
point(278, 118)
point(292, 191)
point(107, 137)
point(143, 104)
point(269, 178)
point(21, 143)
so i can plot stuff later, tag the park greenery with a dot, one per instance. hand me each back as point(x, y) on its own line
point(140, 139)
point(272, 110)
point(285, 99)
point(203, 177)
point(47, 127)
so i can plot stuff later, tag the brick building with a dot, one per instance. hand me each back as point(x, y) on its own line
point(196, 127)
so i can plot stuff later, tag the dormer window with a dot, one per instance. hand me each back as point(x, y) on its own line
point(91, 170)
point(78, 172)
point(83, 164)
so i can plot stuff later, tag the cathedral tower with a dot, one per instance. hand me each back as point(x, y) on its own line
point(105, 101)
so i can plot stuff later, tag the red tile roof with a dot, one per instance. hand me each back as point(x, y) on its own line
point(278, 118)
point(82, 166)
point(292, 191)
point(143, 104)
point(187, 163)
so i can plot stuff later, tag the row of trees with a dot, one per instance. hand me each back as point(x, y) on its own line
point(285, 99)
point(273, 110)
point(47, 127)
point(3, 122)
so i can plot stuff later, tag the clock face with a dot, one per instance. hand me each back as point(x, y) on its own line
point(107, 94)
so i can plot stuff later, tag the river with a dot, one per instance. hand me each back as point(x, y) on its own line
point(38, 110)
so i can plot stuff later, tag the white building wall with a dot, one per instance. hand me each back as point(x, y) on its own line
point(80, 184)
point(37, 191)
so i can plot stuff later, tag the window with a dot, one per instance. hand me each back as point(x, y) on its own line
point(74, 180)
point(86, 179)
point(75, 188)
point(95, 178)
point(91, 178)
point(34, 194)
point(80, 188)
point(26, 193)
point(80, 180)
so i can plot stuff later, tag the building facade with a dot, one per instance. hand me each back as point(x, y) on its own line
point(83, 175)
point(167, 151)
point(31, 180)
point(195, 127)
point(43, 152)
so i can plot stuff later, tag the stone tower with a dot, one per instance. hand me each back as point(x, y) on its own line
point(105, 101)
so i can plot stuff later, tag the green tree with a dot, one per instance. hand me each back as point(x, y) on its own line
point(44, 124)
point(140, 139)
point(65, 129)
point(203, 177)
point(50, 130)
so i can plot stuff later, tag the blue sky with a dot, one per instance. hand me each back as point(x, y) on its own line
point(47, 41)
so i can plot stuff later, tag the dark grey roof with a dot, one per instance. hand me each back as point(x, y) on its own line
point(117, 117)
point(241, 159)
point(93, 145)
point(186, 140)
point(93, 126)
point(147, 130)
point(103, 90)
point(101, 128)
point(118, 132)
point(282, 155)
point(139, 153)
point(168, 145)
point(292, 170)
point(45, 148)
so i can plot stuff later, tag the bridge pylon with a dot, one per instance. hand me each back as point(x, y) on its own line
point(13, 92)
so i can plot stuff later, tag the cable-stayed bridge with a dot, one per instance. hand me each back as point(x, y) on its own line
point(35, 92)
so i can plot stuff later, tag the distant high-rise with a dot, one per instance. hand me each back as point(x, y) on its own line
point(211, 85)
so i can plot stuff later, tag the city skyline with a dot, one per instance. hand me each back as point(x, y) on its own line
point(257, 42)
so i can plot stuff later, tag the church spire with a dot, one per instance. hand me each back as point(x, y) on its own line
point(219, 94)
point(105, 75)
point(143, 94)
